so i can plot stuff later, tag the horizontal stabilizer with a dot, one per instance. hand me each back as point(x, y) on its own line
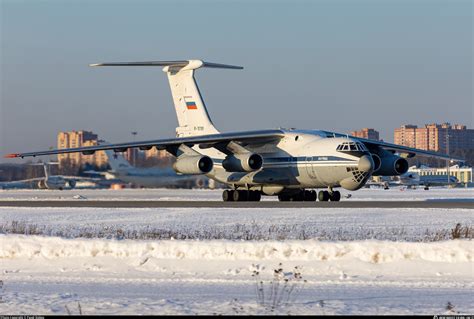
point(181, 63)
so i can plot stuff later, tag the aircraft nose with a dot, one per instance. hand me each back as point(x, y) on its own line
point(366, 164)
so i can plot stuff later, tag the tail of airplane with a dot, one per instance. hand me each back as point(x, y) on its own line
point(116, 161)
point(45, 167)
point(46, 170)
point(193, 118)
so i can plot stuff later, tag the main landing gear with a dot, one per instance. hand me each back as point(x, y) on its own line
point(303, 195)
point(230, 195)
point(333, 196)
point(310, 196)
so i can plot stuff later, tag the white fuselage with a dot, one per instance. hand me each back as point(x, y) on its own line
point(156, 177)
point(301, 159)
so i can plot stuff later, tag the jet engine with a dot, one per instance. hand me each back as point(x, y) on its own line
point(195, 164)
point(245, 162)
point(51, 184)
point(390, 165)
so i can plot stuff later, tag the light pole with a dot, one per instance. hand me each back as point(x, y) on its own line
point(447, 152)
point(134, 133)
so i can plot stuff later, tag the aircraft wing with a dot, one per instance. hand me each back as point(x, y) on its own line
point(204, 141)
point(395, 148)
point(409, 151)
point(20, 183)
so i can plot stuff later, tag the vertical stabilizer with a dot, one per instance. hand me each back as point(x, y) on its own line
point(46, 170)
point(117, 162)
point(193, 118)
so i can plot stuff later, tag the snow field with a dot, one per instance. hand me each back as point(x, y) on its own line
point(201, 260)
point(46, 274)
point(454, 251)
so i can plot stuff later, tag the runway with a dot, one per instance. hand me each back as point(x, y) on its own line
point(446, 204)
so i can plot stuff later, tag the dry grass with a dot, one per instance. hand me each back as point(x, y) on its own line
point(280, 291)
point(251, 231)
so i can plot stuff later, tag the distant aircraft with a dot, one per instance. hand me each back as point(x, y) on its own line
point(288, 163)
point(149, 177)
point(46, 182)
point(412, 180)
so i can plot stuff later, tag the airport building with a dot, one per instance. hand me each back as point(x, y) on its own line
point(154, 153)
point(435, 137)
point(74, 139)
point(368, 133)
point(462, 174)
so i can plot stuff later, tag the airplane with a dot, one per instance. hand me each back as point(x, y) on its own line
point(150, 176)
point(47, 182)
point(287, 163)
point(412, 180)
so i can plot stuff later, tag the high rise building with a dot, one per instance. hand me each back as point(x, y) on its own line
point(74, 139)
point(368, 133)
point(154, 153)
point(405, 135)
point(435, 137)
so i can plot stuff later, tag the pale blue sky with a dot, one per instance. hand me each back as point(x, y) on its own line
point(334, 65)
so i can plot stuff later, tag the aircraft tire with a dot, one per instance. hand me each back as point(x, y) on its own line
point(310, 196)
point(240, 196)
point(335, 196)
point(283, 198)
point(227, 195)
point(298, 197)
point(323, 196)
point(255, 196)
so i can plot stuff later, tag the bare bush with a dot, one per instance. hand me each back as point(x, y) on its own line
point(280, 291)
point(79, 309)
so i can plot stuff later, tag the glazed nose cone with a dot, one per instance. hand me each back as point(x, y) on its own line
point(366, 164)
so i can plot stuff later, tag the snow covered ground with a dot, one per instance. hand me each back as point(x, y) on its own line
point(204, 261)
point(334, 224)
point(46, 274)
point(393, 194)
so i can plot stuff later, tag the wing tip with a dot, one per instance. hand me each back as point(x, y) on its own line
point(13, 155)
point(95, 64)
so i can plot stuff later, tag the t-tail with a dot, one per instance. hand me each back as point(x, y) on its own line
point(117, 162)
point(46, 170)
point(193, 118)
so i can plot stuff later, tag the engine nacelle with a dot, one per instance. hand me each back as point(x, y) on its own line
point(390, 165)
point(194, 164)
point(246, 162)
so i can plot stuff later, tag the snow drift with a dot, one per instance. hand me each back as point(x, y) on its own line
point(371, 251)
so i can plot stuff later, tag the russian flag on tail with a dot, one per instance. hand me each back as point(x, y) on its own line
point(191, 105)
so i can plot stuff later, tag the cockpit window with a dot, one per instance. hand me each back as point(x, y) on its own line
point(351, 146)
point(362, 147)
